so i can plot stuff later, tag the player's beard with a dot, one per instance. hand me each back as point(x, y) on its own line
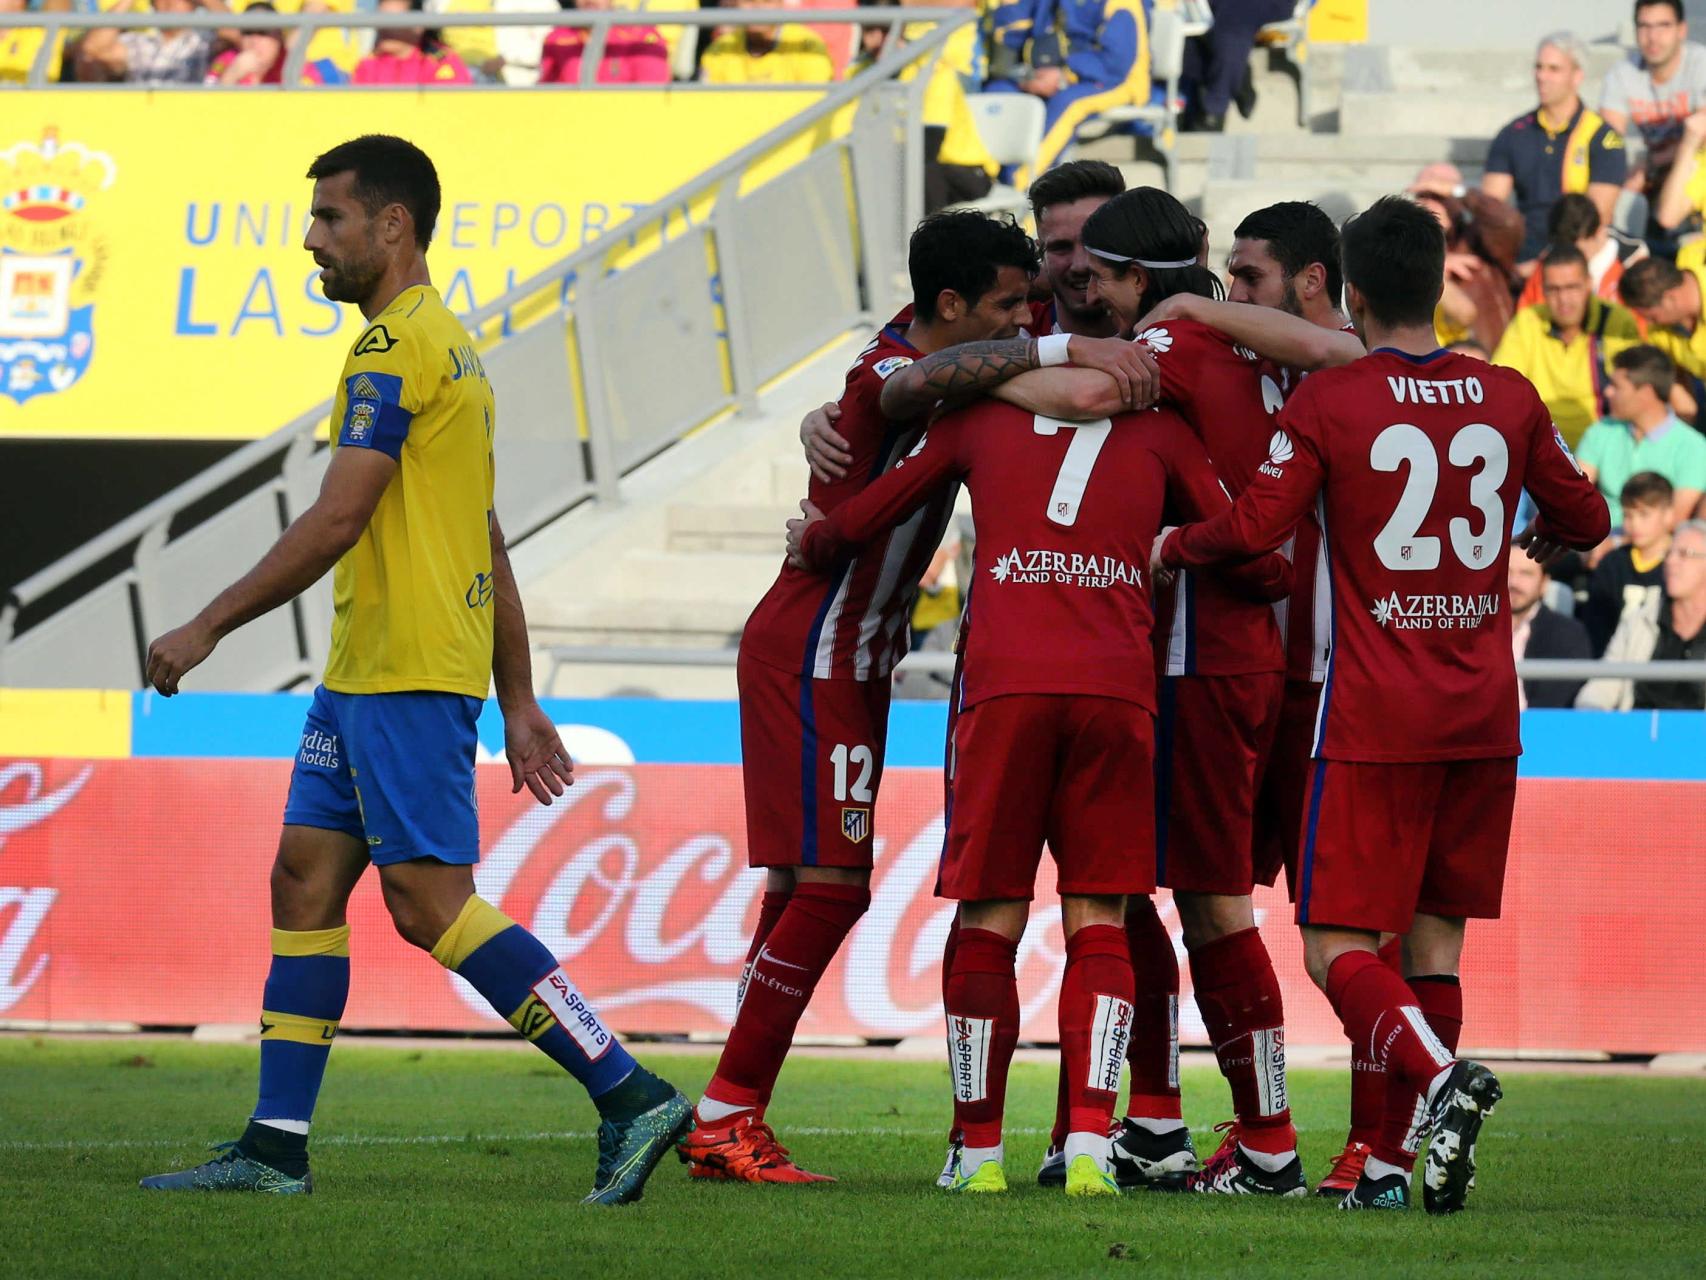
point(353, 280)
point(1290, 303)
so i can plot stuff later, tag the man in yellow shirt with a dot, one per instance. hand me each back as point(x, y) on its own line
point(790, 54)
point(427, 619)
point(1671, 299)
point(1564, 345)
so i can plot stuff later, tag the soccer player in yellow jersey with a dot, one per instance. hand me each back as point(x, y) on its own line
point(427, 617)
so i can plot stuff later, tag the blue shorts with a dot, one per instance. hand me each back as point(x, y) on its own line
point(393, 769)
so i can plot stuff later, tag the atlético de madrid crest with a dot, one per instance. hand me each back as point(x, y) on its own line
point(856, 824)
point(51, 263)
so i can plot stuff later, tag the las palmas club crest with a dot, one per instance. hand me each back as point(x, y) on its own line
point(51, 263)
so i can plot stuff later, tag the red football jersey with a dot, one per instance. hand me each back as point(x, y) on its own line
point(1417, 462)
point(1306, 619)
point(1205, 628)
point(1065, 516)
point(857, 624)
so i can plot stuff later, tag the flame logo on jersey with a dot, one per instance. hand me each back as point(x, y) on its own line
point(51, 263)
point(1279, 453)
point(1157, 338)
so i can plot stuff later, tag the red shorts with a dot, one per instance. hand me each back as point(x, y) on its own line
point(811, 761)
point(1213, 736)
point(1384, 841)
point(1072, 770)
point(1285, 784)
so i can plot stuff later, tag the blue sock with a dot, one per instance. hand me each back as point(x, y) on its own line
point(523, 981)
point(304, 1000)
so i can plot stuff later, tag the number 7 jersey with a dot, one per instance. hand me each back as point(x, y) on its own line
point(1418, 463)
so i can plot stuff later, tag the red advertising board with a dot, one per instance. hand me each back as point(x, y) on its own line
point(136, 891)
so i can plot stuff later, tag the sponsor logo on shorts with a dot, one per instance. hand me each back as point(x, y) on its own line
point(1110, 1038)
point(856, 824)
point(1433, 612)
point(319, 750)
point(563, 999)
point(968, 1056)
point(1067, 568)
point(1267, 1048)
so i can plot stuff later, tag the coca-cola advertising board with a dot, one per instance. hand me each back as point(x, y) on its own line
point(135, 891)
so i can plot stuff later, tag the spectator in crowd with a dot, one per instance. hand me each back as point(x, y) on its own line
point(1641, 433)
point(153, 57)
point(632, 55)
point(1087, 56)
point(1216, 73)
point(1682, 200)
point(1564, 345)
point(1670, 300)
point(477, 47)
point(1653, 91)
point(1624, 573)
point(1667, 625)
point(957, 166)
point(1482, 237)
point(1609, 251)
point(410, 55)
point(1558, 147)
point(1541, 632)
point(332, 51)
point(19, 46)
point(789, 54)
point(257, 57)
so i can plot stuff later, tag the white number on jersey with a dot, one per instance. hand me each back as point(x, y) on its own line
point(1398, 545)
point(841, 757)
point(1075, 468)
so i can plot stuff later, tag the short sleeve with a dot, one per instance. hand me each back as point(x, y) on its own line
point(381, 391)
point(1608, 160)
point(1614, 93)
point(1499, 154)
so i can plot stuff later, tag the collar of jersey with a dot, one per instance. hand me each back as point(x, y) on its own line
point(1431, 356)
point(894, 333)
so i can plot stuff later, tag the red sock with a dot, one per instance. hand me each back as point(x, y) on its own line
point(1440, 998)
point(1095, 1024)
point(770, 908)
point(983, 1031)
point(1239, 996)
point(785, 972)
point(953, 940)
point(1368, 1078)
point(1155, 1015)
point(1380, 1011)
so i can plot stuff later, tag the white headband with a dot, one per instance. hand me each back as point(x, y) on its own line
point(1143, 262)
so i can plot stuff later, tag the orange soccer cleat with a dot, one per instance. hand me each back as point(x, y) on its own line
point(1347, 1168)
point(741, 1150)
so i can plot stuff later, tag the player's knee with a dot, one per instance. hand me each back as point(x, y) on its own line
point(1080, 911)
point(413, 916)
point(1208, 917)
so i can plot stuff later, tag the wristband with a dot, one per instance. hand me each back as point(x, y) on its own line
point(1051, 350)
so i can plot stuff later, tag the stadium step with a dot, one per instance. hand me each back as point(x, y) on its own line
point(708, 527)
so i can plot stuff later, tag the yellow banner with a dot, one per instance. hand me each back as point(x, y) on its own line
point(152, 275)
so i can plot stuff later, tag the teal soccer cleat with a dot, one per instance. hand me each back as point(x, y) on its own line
point(231, 1170)
point(628, 1150)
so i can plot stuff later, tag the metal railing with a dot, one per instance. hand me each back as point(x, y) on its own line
point(843, 214)
point(304, 26)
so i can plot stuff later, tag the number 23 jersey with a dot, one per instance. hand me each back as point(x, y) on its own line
point(1419, 462)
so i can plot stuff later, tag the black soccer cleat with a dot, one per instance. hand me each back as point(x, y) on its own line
point(1467, 1097)
point(1390, 1192)
point(1161, 1161)
point(1237, 1175)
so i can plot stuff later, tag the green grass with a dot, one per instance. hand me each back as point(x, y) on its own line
point(471, 1162)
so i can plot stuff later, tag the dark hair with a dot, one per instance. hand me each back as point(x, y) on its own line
point(1572, 217)
point(1646, 489)
point(1646, 282)
point(1647, 366)
point(387, 170)
point(963, 251)
point(1563, 253)
point(1394, 253)
point(1147, 224)
point(1298, 233)
point(1675, 6)
point(1075, 180)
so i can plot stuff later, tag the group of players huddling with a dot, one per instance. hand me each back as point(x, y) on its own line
point(1227, 618)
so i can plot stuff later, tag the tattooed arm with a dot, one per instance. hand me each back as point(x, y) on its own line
point(957, 374)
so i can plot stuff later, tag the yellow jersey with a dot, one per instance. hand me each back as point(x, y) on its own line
point(798, 57)
point(413, 597)
point(1688, 351)
point(1570, 376)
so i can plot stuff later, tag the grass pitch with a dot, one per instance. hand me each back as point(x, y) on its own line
point(465, 1162)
